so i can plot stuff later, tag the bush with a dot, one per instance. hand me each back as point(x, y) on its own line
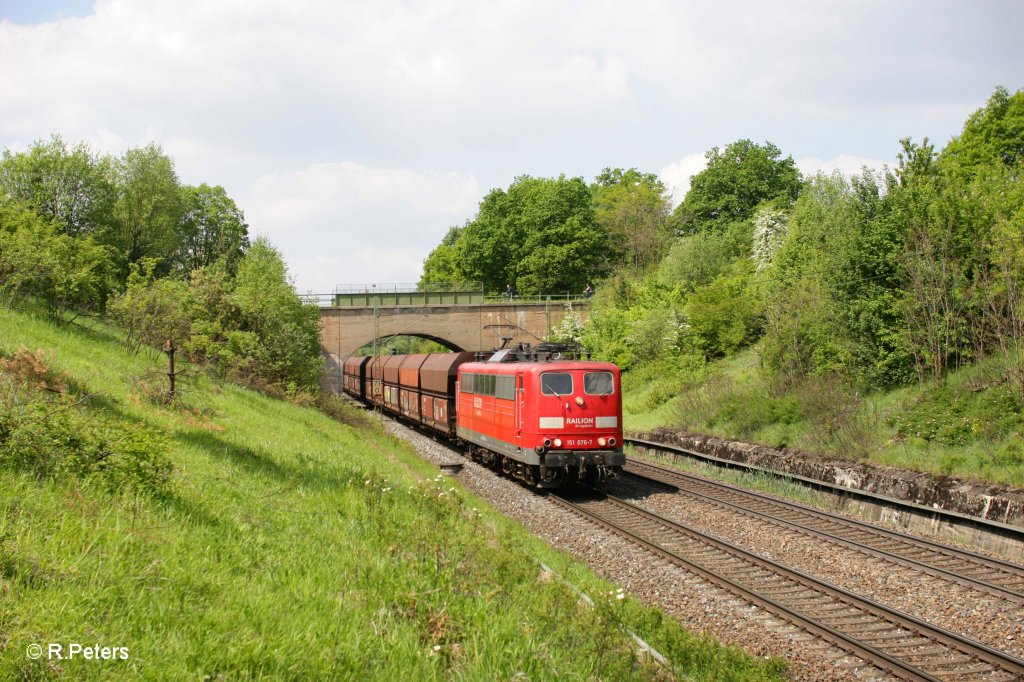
point(605, 334)
point(50, 433)
point(62, 272)
point(254, 329)
point(288, 330)
point(694, 261)
point(748, 412)
point(722, 316)
point(839, 420)
point(151, 311)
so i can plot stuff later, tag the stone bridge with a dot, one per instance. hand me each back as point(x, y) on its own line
point(475, 326)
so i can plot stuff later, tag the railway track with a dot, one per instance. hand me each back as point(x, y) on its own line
point(992, 576)
point(898, 643)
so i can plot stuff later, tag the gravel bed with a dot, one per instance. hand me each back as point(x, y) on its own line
point(698, 605)
point(996, 622)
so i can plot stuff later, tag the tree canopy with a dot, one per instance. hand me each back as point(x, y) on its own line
point(67, 186)
point(147, 208)
point(633, 209)
point(540, 235)
point(736, 181)
point(212, 227)
point(994, 133)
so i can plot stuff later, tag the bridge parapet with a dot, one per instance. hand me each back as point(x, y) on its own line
point(390, 295)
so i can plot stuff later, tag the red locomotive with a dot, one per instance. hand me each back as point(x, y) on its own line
point(540, 414)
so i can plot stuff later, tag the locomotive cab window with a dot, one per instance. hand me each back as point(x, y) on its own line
point(556, 383)
point(598, 383)
point(505, 387)
point(467, 383)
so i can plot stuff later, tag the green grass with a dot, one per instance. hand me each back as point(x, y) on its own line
point(292, 546)
point(968, 426)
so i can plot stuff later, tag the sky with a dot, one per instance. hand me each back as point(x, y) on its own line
point(354, 134)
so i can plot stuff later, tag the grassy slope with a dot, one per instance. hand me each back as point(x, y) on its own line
point(292, 546)
point(969, 427)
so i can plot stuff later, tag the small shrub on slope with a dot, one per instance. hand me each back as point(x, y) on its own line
point(48, 432)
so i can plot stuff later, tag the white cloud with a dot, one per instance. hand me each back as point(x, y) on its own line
point(349, 223)
point(160, 61)
point(677, 175)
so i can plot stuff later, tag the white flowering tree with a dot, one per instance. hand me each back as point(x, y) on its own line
point(569, 329)
point(769, 230)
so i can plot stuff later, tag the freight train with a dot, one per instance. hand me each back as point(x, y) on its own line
point(540, 414)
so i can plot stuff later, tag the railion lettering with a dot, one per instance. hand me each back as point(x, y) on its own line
point(580, 421)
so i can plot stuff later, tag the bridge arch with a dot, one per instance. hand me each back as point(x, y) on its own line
point(385, 339)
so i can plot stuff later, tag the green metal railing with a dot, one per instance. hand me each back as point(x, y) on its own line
point(370, 295)
point(462, 293)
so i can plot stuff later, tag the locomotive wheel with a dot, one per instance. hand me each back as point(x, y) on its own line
point(553, 478)
point(595, 475)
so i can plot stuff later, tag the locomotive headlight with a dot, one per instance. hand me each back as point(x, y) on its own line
point(558, 442)
point(547, 442)
point(611, 441)
point(602, 442)
point(579, 401)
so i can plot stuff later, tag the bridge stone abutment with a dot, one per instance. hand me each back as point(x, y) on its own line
point(459, 327)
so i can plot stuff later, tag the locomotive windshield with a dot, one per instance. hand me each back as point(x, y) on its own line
point(598, 383)
point(556, 383)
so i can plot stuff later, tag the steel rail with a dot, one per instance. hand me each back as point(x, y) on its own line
point(755, 563)
point(906, 543)
point(995, 527)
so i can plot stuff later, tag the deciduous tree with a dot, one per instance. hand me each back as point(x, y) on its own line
point(67, 186)
point(147, 209)
point(443, 265)
point(540, 235)
point(737, 179)
point(992, 134)
point(633, 208)
point(287, 331)
point(212, 227)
